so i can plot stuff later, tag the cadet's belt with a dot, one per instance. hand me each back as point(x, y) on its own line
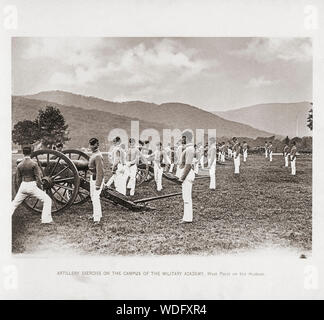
point(28, 179)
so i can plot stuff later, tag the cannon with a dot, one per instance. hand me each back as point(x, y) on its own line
point(66, 179)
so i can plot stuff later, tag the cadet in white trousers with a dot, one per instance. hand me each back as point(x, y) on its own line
point(96, 167)
point(188, 176)
point(229, 150)
point(132, 159)
point(223, 147)
point(293, 152)
point(28, 176)
point(245, 151)
point(172, 156)
point(115, 159)
point(212, 163)
point(270, 149)
point(236, 155)
point(201, 151)
point(286, 155)
point(160, 159)
point(180, 149)
point(266, 149)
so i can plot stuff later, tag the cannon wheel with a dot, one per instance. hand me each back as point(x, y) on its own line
point(83, 195)
point(142, 174)
point(59, 177)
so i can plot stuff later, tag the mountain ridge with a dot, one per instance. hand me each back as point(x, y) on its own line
point(174, 115)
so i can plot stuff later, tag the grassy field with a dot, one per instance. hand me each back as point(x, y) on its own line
point(265, 207)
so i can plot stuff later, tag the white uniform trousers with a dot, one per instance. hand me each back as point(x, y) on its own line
point(196, 165)
point(121, 178)
point(132, 171)
point(29, 188)
point(171, 167)
point(187, 196)
point(223, 157)
point(158, 172)
point(202, 159)
point(245, 155)
point(293, 166)
point(266, 153)
point(219, 156)
point(229, 151)
point(286, 161)
point(237, 162)
point(95, 198)
point(212, 175)
point(179, 171)
point(270, 156)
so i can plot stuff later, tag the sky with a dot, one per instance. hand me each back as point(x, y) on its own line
point(214, 74)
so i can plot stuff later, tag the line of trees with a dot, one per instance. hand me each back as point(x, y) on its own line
point(49, 128)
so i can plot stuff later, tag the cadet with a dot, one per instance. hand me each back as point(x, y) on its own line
point(29, 178)
point(59, 147)
point(223, 152)
point(270, 151)
point(286, 155)
point(196, 160)
point(245, 151)
point(172, 156)
point(96, 167)
point(229, 150)
point(212, 163)
point(187, 176)
point(293, 152)
point(266, 149)
point(236, 155)
point(118, 167)
point(180, 149)
point(201, 151)
point(132, 159)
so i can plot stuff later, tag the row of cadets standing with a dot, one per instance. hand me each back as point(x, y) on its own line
point(286, 154)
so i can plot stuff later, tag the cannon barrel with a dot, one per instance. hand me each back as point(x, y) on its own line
point(79, 164)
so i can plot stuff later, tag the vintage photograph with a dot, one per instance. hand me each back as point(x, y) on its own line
point(129, 146)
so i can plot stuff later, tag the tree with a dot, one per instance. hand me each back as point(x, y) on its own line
point(52, 127)
point(286, 140)
point(25, 132)
point(310, 118)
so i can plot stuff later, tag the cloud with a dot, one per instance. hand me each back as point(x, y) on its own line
point(260, 82)
point(144, 64)
point(269, 49)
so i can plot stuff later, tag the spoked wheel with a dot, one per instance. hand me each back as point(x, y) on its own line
point(82, 159)
point(142, 173)
point(60, 180)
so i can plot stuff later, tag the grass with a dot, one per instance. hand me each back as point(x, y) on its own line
point(264, 207)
